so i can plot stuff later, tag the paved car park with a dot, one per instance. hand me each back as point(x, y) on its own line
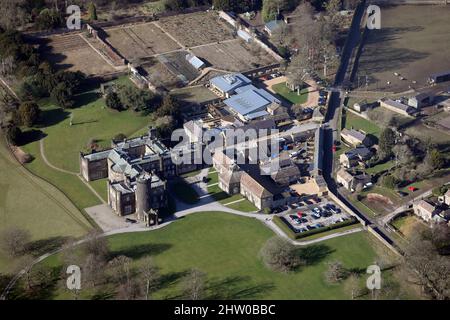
point(308, 216)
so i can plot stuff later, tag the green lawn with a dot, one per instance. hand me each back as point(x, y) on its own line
point(231, 259)
point(381, 167)
point(289, 95)
point(101, 187)
point(356, 122)
point(32, 204)
point(213, 178)
point(244, 206)
point(62, 142)
point(92, 120)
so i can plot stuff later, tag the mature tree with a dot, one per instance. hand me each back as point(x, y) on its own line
point(120, 268)
point(28, 113)
point(49, 19)
point(387, 141)
point(280, 255)
point(13, 134)
point(335, 272)
point(136, 99)
point(96, 244)
point(92, 11)
point(440, 237)
point(434, 159)
point(194, 285)
point(13, 241)
point(169, 107)
point(13, 14)
point(150, 276)
point(431, 269)
point(63, 95)
point(403, 154)
point(165, 126)
point(352, 286)
point(112, 101)
point(36, 276)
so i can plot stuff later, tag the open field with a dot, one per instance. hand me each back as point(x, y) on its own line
point(197, 94)
point(413, 41)
point(32, 204)
point(158, 74)
point(234, 56)
point(351, 120)
point(72, 53)
point(139, 41)
point(62, 142)
point(424, 133)
point(289, 95)
point(232, 264)
point(196, 29)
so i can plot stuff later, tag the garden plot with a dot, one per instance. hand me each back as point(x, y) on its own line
point(196, 29)
point(234, 56)
point(144, 40)
point(72, 53)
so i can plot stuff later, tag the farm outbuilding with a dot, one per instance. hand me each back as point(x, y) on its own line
point(245, 36)
point(196, 62)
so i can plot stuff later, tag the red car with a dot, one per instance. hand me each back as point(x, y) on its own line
point(412, 189)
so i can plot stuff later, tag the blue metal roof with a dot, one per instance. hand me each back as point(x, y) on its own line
point(230, 82)
point(194, 61)
point(266, 95)
point(247, 102)
point(274, 24)
point(244, 35)
point(255, 115)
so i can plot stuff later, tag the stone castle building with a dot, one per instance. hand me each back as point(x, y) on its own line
point(137, 171)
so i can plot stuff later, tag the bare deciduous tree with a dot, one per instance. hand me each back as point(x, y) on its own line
point(335, 272)
point(194, 285)
point(150, 276)
point(14, 240)
point(431, 269)
point(352, 286)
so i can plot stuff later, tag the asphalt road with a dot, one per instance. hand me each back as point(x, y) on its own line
point(332, 116)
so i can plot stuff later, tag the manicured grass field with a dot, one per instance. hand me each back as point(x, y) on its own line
point(101, 187)
point(351, 120)
point(244, 206)
point(231, 259)
point(92, 120)
point(62, 143)
point(213, 178)
point(381, 167)
point(289, 95)
point(32, 204)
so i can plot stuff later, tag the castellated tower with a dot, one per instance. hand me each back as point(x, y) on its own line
point(143, 191)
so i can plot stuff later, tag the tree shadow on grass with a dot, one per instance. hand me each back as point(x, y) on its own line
point(53, 117)
point(31, 136)
point(85, 98)
point(40, 247)
point(140, 251)
point(236, 287)
point(314, 254)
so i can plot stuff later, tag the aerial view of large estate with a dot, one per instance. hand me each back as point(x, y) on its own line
point(224, 150)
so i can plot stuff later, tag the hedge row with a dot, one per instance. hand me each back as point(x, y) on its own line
point(288, 229)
